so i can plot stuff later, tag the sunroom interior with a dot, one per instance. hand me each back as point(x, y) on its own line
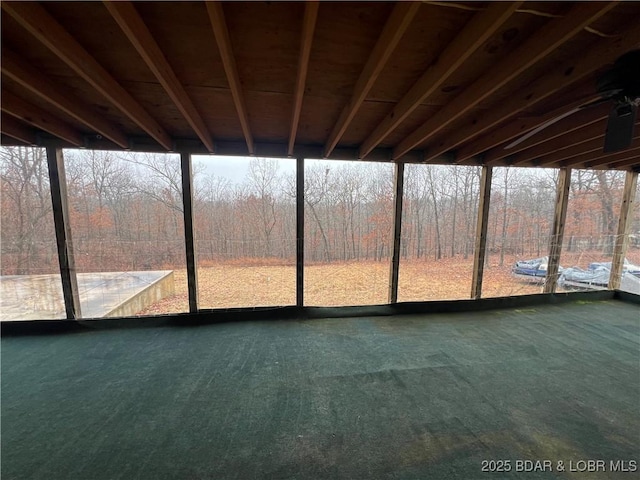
point(320, 239)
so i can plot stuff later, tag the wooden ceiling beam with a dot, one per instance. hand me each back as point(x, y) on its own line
point(633, 161)
point(477, 31)
point(36, 116)
point(581, 120)
point(596, 147)
point(129, 20)
point(401, 17)
point(37, 21)
point(575, 153)
point(565, 75)
point(597, 158)
point(491, 145)
point(221, 33)
point(555, 159)
point(14, 128)
point(47, 89)
point(582, 135)
point(308, 28)
point(541, 44)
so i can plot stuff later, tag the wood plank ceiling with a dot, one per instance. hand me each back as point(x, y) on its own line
point(430, 82)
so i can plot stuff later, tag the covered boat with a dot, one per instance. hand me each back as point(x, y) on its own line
point(532, 270)
point(593, 278)
point(627, 267)
point(597, 278)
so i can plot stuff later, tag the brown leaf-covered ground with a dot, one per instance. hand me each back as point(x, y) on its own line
point(356, 283)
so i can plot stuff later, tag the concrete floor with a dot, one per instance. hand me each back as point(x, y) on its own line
point(39, 297)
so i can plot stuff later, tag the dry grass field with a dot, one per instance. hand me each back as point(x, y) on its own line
point(357, 283)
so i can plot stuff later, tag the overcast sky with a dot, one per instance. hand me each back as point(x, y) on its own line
point(236, 168)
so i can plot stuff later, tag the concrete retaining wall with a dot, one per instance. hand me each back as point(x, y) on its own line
point(154, 292)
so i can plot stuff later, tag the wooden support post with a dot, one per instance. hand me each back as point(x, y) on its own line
point(624, 225)
point(481, 232)
point(397, 231)
point(300, 232)
point(189, 239)
point(59, 200)
point(555, 242)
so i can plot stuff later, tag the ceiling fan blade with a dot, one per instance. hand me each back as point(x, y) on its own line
point(620, 125)
point(548, 123)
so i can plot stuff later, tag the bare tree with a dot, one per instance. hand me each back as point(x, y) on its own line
point(317, 183)
point(26, 210)
point(610, 183)
point(108, 178)
point(348, 194)
point(213, 214)
point(509, 176)
point(433, 180)
point(264, 184)
point(159, 177)
point(416, 205)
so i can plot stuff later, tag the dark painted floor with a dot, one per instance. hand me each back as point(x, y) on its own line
point(406, 397)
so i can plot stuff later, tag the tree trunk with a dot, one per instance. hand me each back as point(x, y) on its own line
point(504, 217)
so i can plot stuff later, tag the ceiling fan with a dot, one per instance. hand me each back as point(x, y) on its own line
point(619, 85)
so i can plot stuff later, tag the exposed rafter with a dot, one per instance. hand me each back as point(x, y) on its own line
point(543, 42)
point(397, 24)
point(560, 77)
point(476, 32)
point(308, 27)
point(628, 152)
point(219, 25)
point(16, 129)
point(573, 153)
point(47, 89)
point(596, 158)
point(127, 17)
point(584, 155)
point(582, 135)
point(632, 158)
point(630, 161)
point(581, 120)
point(50, 52)
point(33, 115)
point(35, 19)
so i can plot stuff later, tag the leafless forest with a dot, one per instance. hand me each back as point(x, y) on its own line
point(126, 213)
